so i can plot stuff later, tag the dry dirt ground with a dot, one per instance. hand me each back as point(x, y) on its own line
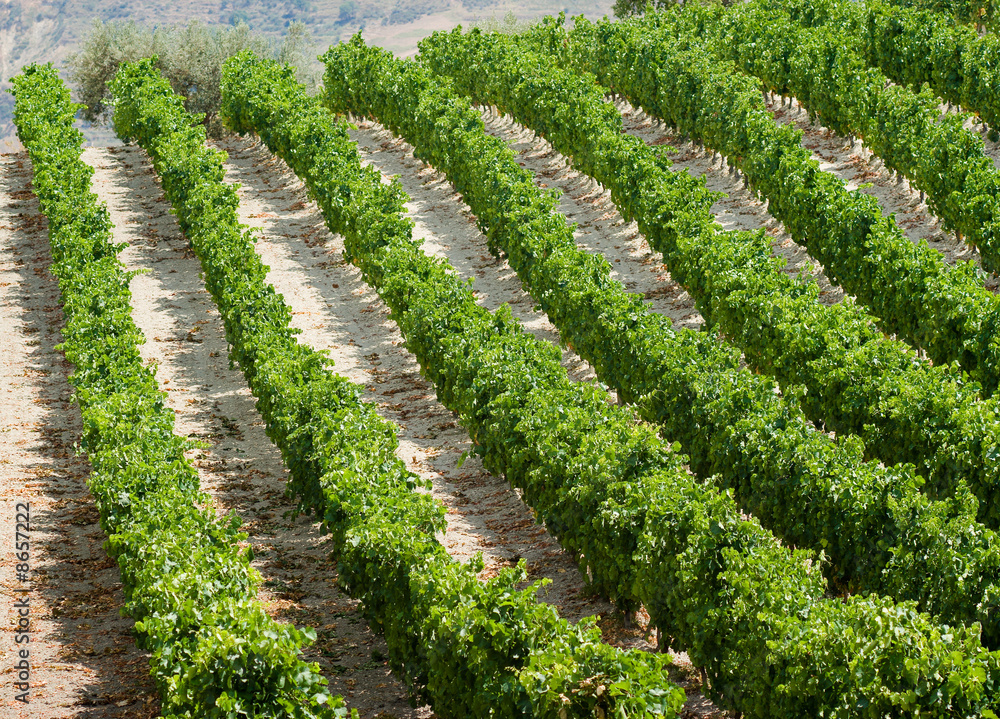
point(856, 165)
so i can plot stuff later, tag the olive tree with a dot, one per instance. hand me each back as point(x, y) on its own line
point(190, 57)
point(624, 8)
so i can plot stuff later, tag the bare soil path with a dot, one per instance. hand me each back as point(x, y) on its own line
point(740, 209)
point(84, 662)
point(600, 228)
point(857, 166)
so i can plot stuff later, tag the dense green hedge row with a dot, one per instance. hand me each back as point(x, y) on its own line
point(943, 309)
point(914, 46)
point(856, 380)
point(876, 528)
point(470, 648)
point(834, 83)
point(752, 613)
point(215, 652)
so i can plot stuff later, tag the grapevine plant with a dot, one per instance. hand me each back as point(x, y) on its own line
point(847, 373)
point(944, 310)
point(822, 68)
point(914, 46)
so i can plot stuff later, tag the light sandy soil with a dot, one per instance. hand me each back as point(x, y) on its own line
point(600, 228)
point(740, 209)
point(856, 165)
point(308, 268)
point(84, 659)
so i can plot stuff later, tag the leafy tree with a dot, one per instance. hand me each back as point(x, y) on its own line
point(625, 8)
point(190, 57)
point(348, 9)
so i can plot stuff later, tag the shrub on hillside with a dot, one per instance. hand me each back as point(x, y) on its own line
point(190, 57)
point(508, 25)
point(625, 8)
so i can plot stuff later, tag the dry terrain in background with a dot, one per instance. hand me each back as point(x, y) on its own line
point(50, 30)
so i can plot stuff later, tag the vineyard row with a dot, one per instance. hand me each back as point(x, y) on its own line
point(941, 309)
point(914, 46)
point(821, 69)
point(855, 379)
point(698, 567)
point(754, 614)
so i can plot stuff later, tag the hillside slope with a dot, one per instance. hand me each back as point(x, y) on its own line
point(50, 30)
